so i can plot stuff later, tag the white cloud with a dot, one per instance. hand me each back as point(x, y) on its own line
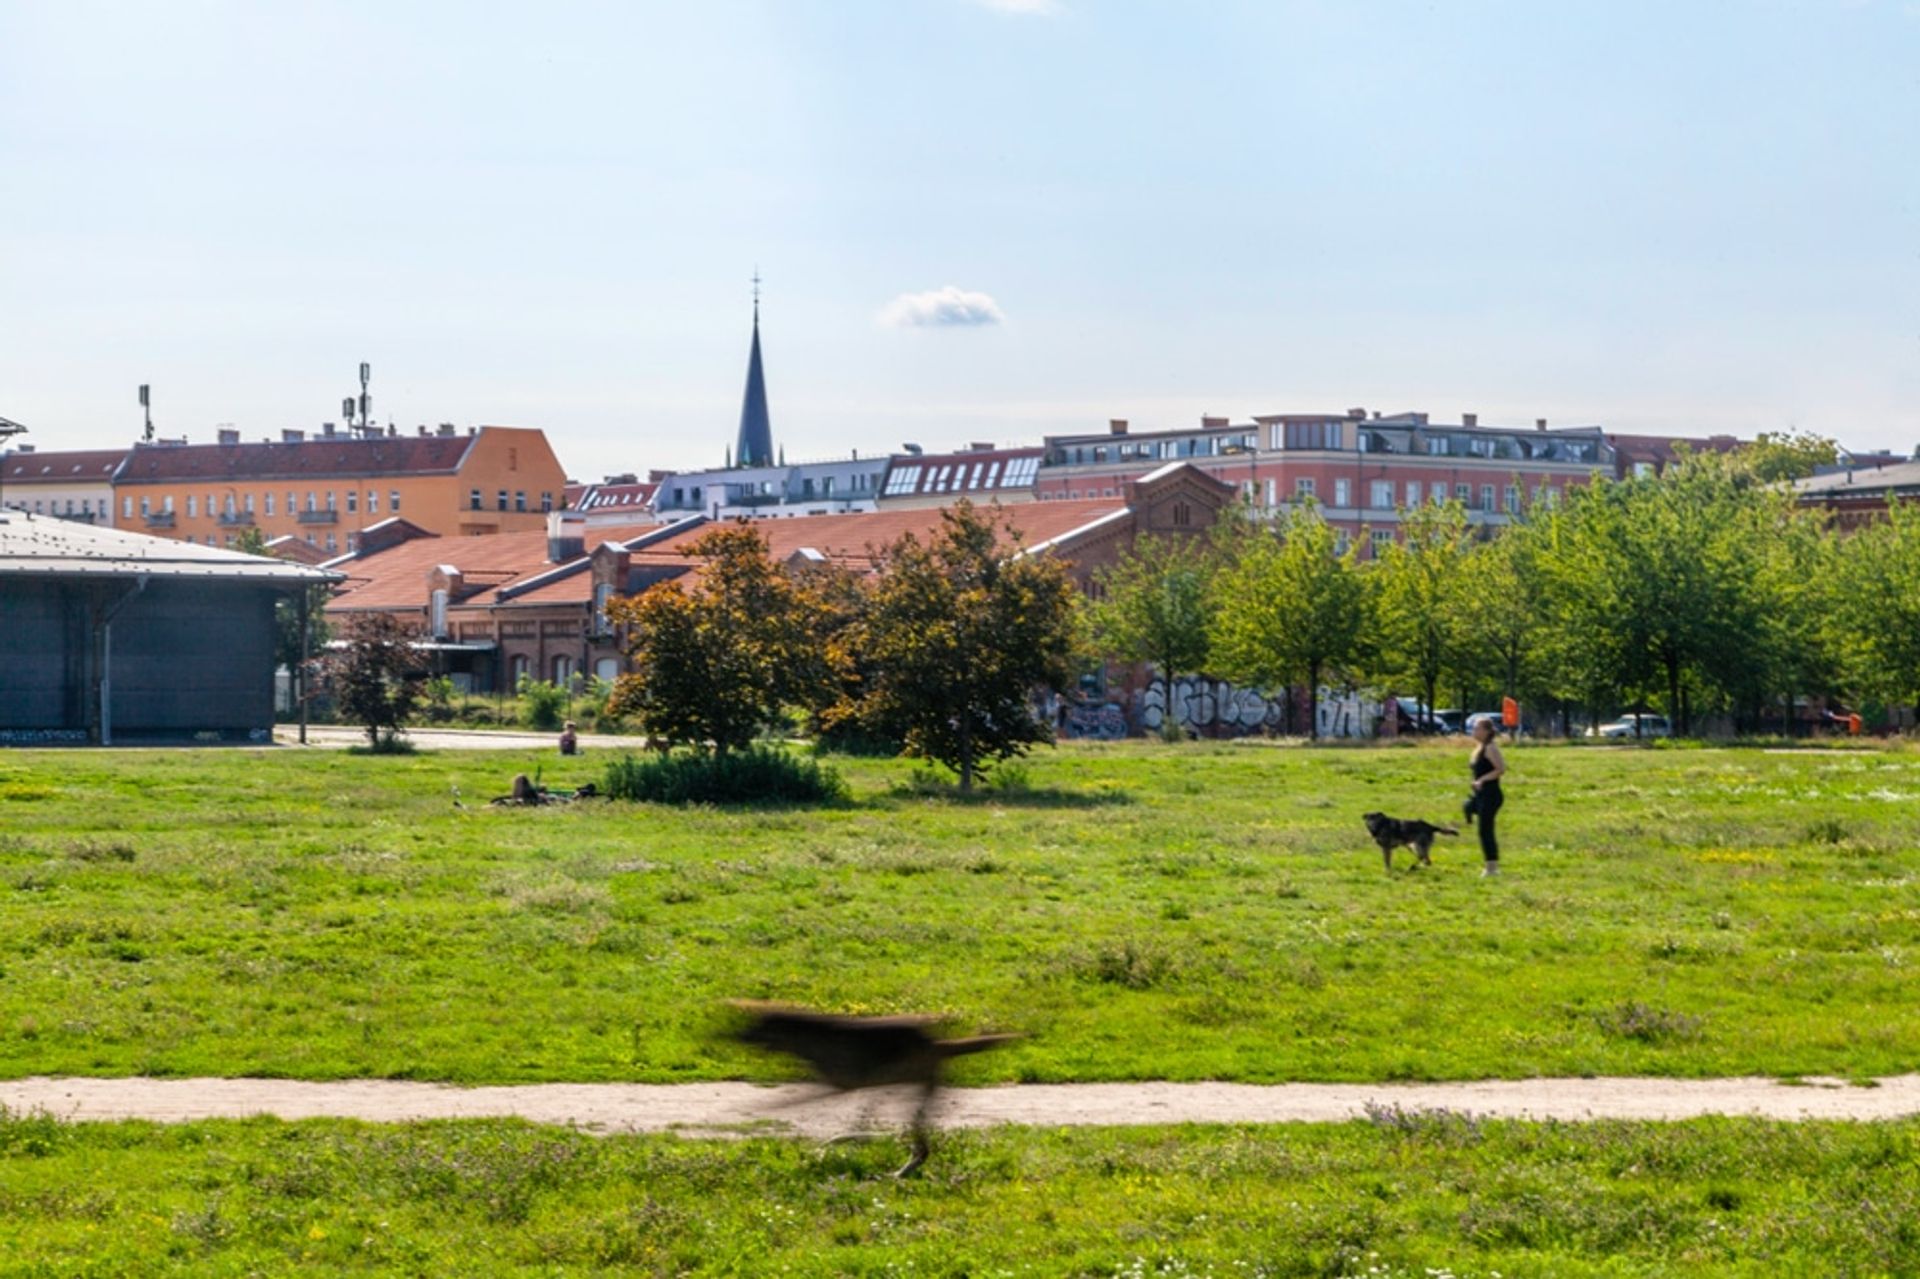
point(951, 307)
point(1039, 8)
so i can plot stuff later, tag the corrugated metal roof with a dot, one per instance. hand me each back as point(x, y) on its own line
point(41, 546)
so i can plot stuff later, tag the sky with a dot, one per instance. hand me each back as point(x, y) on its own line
point(975, 220)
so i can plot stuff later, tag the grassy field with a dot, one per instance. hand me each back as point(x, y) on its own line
point(1411, 1196)
point(1212, 911)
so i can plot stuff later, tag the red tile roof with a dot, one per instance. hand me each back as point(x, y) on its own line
point(396, 578)
point(850, 538)
point(62, 468)
point(339, 455)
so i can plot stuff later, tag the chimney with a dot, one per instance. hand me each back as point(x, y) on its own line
point(566, 538)
point(446, 428)
point(473, 430)
point(978, 447)
point(229, 436)
point(1357, 414)
point(1539, 424)
point(1208, 423)
point(1117, 426)
point(326, 429)
point(292, 437)
point(23, 448)
point(1469, 419)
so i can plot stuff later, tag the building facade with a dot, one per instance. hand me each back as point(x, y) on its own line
point(327, 488)
point(841, 486)
point(1860, 495)
point(1361, 470)
point(68, 486)
point(980, 473)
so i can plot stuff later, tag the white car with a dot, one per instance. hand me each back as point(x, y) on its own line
point(1650, 726)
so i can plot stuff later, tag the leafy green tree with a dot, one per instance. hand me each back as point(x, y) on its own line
point(959, 633)
point(1777, 456)
point(1880, 605)
point(1502, 619)
point(377, 677)
point(1422, 592)
point(1292, 608)
point(1156, 605)
point(713, 664)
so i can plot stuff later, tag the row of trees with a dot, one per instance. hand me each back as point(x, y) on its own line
point(1705, 590)
point(940, 651)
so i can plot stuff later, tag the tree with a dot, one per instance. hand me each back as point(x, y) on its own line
point(1292, 608)
point(1423, 601)
point(1502, 621)
point(1880, 574)
point(1778, 456)
point(1156, 605)
point(960, 632)
point(712, 665)
point(376, 678)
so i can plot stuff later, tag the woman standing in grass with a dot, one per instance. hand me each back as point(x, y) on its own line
point(1489, 766)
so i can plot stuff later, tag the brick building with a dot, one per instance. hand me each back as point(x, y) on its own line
point(326, 489)
point(495, 608)
point(1361, 469)
point(1859, 494)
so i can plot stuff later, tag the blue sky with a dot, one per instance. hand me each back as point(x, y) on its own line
point(1700, 216)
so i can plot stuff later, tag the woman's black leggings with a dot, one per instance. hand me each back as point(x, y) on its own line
point(1490, 801)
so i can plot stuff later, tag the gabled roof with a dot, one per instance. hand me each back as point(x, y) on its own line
point(326, 457)
point(60, 468)
point(39, 546)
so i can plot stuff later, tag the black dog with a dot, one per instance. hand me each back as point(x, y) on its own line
point(849, 1053)
point(1392, 832)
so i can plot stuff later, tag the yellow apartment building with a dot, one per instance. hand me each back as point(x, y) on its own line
point(324, 488)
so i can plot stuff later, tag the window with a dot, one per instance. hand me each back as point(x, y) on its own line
point(546, 502)
point(562, 669)
point(607, 670)
point(393, 502)
point(1303, 487)
point(331, 544)
point(373, 501)
point(500, 499)
point(353, 501)
point(1182, 515)
point(249, 504)
point(826, 486)
point(1486, 497)
point(473, 499)
point(1308, 435)
point(1440, 445)
point(193, 506)
point(126, 508)
point(1381, 496)
point(312, 504)
point(517, 668)
point(330, 500)
point(291, 508)
point(1513, 499)
point(1463, 494)
point(1342, 493)
point(269, 503)
point(519, 499)
point(1413, 493)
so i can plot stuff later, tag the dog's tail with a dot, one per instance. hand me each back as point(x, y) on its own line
point(1446, 830)
point(972, 1044)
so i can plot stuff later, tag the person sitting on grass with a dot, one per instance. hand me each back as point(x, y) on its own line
point(569, 740)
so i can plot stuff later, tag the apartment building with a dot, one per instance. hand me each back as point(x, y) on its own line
point(326, 488)
point(1362, 469)
point(69, 485)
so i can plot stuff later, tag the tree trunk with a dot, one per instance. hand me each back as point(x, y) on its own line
point(1673, 691)
point(966, 757)
point(1313, 701)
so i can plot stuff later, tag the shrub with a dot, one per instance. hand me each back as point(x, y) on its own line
point(542, 705)
point(756, 775)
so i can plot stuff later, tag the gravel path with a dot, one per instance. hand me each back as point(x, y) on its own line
point(799, 1108)
point(335, 737)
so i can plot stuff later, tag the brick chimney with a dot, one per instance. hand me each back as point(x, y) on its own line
point(292, 437)
point(1208, 423)
point(1539, 424)
point(1117, 426)
point(229, 436)
point(1469, 419)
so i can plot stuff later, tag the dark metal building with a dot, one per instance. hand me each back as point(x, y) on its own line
point(113, 637)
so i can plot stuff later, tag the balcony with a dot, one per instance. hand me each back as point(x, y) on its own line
point(235, 519)
point(328, 516)
point(158, 519)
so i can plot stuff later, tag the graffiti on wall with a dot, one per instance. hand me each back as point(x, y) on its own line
point(1215, 708)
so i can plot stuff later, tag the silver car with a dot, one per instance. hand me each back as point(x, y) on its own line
point(1649, 726)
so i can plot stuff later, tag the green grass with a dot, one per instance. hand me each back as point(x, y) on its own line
point(1141, 911)
point(1402, 1196)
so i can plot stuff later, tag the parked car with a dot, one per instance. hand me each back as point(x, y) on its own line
point(1493, 717)
point(1416, 717)
point(1649, 726)
point(1450, 720)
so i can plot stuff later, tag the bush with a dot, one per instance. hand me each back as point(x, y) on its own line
point(756, 775)
point(542, 705)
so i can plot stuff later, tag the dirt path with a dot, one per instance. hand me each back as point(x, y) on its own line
point(335, 737)
point(702, 1108)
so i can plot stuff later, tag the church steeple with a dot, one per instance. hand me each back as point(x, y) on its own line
point(755, 444)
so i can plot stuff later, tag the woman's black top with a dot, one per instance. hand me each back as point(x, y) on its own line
point(1481, 767)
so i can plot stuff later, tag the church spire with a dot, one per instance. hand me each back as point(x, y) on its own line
point(755, 444)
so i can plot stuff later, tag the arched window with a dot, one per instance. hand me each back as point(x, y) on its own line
point(517, 669)
point(562, 669)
